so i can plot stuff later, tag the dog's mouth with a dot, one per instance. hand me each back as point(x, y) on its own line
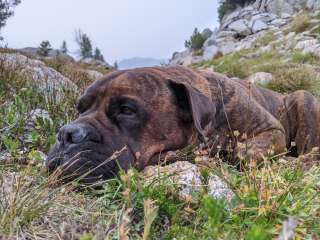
point(87, 164)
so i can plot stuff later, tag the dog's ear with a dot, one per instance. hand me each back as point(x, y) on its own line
point(201, 108)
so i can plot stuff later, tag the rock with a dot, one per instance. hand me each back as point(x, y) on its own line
point(94, 74)
point(240, 26)
point(185, 174)
point(258, 26)
point(301, 45)
point(285, 15)
point(185, 58)
point(227, 34)
point(261, 78)
point(227, 47)
point(313, 4)
point(218, 189)
point(4, 156)
point(94, 62)
point(289, 229)
point(46, 79)
point(206, 33)
point(210, 52)
point(278, 22)
point(188, 177)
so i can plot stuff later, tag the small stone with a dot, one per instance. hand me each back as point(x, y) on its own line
point(261, 78)
point(185, 174)
point(218, 189)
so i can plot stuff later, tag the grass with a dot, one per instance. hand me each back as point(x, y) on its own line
point(304, 58)
point(32, 206)
point(300, 23)
point(293, 78)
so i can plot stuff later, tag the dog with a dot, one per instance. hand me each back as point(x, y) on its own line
point(145, 112)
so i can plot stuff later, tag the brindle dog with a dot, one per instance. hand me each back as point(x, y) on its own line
point(151, 111)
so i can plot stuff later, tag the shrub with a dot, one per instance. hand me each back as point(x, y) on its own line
point(196, 41)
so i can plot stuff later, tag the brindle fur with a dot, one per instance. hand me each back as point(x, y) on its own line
point(181, 105)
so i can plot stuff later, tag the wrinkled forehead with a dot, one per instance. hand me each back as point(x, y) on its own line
point(144, 85)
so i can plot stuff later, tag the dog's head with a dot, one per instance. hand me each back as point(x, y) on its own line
point(128, 119)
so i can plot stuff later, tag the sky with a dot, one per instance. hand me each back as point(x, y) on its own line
point(122, 29)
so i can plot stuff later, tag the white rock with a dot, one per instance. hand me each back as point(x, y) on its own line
point(188, 177)
point(240, 26)
point(289, 229)
point(278, 22)
point(226, 34)
point(47, 80)
point(93, 74)
point(258, 26)
point(285, 15)
point(210, 52)
point(261, 78)
point(219, 189)
point(227, 47)
point(306, 44)
point(185, 174)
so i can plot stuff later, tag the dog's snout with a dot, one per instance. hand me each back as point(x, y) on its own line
point(77, 133)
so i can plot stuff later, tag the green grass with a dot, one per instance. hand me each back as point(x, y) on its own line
point(32, 206)
point(304, 58)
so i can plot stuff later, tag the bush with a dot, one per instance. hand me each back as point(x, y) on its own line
point(196, 41)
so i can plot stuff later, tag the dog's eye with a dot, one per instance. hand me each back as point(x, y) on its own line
point(127, 110)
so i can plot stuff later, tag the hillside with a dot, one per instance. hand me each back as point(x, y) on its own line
point(273, 43)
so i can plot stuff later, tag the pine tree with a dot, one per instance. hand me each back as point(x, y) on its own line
point(196, 40)
point(44, 48)
point(64, 48)
point(6, 10)
point(98, 55)
point(85, 44)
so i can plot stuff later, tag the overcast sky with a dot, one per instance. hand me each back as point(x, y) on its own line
point(120, 28)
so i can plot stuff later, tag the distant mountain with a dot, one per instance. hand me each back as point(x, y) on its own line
point(140, 62)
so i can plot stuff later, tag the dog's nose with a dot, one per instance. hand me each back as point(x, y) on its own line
point(77, 133)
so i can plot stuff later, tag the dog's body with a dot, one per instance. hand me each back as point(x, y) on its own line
point(155, 110)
